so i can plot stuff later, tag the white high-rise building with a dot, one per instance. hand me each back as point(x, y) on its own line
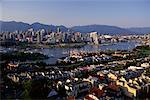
point(42, 33)
point(94, 37)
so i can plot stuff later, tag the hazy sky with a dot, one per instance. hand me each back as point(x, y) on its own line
point(123, 13)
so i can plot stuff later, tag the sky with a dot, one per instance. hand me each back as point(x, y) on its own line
point(122, 13)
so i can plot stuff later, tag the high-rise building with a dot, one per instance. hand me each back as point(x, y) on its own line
point(65, 37)
point(39, 40)
point(6, 36)
point(58, 30)
point(42, 33)
point(77, 37)
point(94, 37)
point(58, 35)
point(51, 38)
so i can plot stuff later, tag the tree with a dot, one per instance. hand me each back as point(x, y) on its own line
point(27, 87)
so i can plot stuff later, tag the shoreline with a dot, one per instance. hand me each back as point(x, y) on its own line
point(38, 46)
point(61, 45)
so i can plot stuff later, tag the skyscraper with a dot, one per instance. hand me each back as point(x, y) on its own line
point(94, 37)
point(39, 37)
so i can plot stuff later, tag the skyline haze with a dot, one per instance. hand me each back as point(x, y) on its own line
point(125, 13)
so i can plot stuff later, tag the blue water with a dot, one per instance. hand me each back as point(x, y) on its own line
point(55, 53)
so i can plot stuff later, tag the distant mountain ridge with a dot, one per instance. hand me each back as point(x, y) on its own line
point(12, 26)
point(140, 30)
point(104, 29)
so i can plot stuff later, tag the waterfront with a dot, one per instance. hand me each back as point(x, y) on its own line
point(58, 52)
point(55, 53)
point(87, 73)
point(74, 50)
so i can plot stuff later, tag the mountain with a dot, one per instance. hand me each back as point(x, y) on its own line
point(36, 26)
point(140, 30)
point(12, 26)
point(104, 29)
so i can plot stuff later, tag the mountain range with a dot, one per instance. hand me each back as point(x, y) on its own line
point(12, 26)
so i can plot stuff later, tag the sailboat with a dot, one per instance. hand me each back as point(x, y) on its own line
point(51, 56)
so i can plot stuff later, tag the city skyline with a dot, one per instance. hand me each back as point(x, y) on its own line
point(75, 49)
point(125, 13)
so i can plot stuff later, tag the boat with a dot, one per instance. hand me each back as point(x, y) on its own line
point(65, 52)
point(51, 56)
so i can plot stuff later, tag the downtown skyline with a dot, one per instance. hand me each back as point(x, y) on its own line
point(75, 49)
point(125, 13)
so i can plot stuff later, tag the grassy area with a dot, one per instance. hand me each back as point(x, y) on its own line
point(143, 51)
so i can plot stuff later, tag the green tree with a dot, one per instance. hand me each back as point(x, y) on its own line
point(27, 87)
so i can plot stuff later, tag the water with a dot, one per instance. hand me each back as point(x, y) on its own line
point(55, 53)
